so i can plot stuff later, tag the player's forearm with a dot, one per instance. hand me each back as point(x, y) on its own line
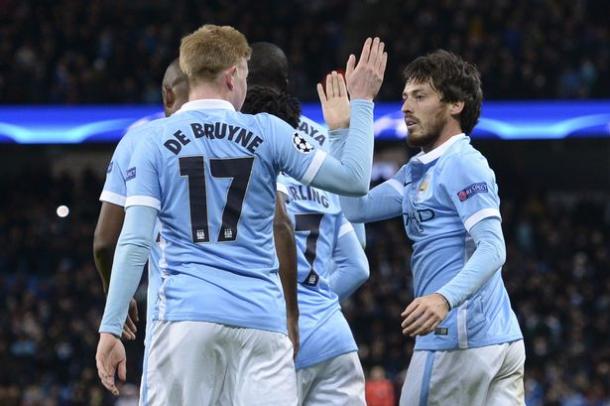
point(487, 259)
point(337, 140)
point(350, 174)
point(131, 254)
point(105, 238)
point(285, 246)
point(352, 266)
point(102, 256)
point(381, 203)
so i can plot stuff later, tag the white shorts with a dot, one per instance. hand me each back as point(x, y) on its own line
point(489, 376)
point(338, 381)
point(199, 363)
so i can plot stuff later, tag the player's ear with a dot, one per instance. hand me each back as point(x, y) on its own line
point(456, 108)
point(230, 76)
point(169, 97)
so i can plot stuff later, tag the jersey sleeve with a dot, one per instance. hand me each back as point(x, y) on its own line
point(293, 153)
point(115, 190)
point(352, 267)
point(382, 202)
point(471, 186)
point(142, 176)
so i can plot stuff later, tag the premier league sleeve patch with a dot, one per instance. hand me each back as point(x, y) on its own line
point(301, 144)
point(472, 190)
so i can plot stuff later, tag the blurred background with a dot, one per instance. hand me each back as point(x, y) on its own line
point(63, 62)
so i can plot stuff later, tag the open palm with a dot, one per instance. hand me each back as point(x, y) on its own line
point(334, 101)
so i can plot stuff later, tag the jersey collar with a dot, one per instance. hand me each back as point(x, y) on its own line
point(206, 104)
point(426, 158)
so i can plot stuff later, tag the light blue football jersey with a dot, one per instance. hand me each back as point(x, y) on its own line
point(115, 191)
point(319, 223)
point(445, 193)
point(211, 172)
point(316, 133)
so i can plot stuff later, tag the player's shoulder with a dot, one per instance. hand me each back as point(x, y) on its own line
point(463, 154)
point(403, 172)
point(313, 131)
point(265, 124)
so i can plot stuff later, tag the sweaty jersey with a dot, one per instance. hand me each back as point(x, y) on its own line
point(115, 192)
point(445, 193)
point(210, 172)
point(319, 223)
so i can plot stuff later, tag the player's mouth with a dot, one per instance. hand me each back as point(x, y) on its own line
point(410, 122)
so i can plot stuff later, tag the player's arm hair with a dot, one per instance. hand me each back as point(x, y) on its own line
point(105, 238)
point(285, 247)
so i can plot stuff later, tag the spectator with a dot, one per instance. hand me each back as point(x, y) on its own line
point(379, 390)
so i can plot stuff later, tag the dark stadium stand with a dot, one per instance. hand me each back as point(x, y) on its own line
point(79, 52)
point(555, 194)
point(556, 273)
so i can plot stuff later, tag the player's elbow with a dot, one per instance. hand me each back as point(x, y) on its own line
point(501, 254)
point(102, 245)
point(359, 189)
point(362, 272)
point(496, 250)
point(353, 215)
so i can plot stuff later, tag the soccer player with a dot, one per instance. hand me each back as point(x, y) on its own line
point(328, 368)
point(268, 67)
point(175, 94)
point(208, 173)
point(469, 348)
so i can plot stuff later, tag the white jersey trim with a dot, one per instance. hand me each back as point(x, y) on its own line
point(345, 229)
point(462, 326)
point(480, 215)
point(426, 158)
point(282, 188)
point(396, 185)
point(113, 198)
point(314, 166)
point(143, 201)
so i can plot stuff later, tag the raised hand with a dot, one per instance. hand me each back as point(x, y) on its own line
point(334, 101)
point(365, 78)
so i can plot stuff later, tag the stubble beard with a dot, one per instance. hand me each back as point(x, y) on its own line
point(430, 136)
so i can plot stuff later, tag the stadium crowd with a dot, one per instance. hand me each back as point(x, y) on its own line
point(51, 297)
point(113, 51)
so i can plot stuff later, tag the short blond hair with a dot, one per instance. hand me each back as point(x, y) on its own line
point(209, 50)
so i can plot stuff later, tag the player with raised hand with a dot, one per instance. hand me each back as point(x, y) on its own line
point(469, 347)
point(331, 265)
point(208, 173)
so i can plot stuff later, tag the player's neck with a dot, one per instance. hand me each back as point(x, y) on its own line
point(208, 91)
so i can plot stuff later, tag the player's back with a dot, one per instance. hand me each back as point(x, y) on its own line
point(316, 215)
point(216, 171)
